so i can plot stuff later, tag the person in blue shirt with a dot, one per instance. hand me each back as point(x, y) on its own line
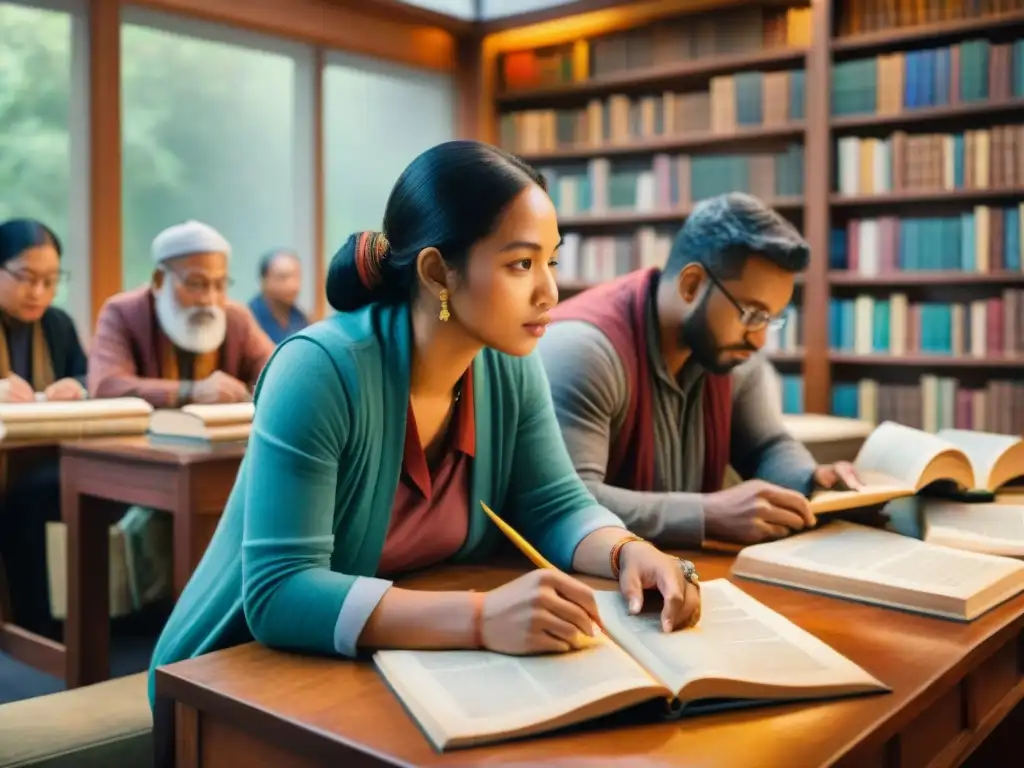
point(274, 306)
point(379, 431)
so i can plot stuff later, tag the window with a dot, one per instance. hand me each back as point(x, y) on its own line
point(463, 9)
point(43, 117)
point(492, 9)
point(377, 117)
point(215, 127)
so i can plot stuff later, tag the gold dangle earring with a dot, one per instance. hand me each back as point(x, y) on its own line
point(444, 315)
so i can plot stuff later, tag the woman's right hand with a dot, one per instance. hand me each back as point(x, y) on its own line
point(14, 389)
point(544, 611)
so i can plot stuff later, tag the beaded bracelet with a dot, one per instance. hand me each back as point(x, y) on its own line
point(478, 619)
point(617, 552)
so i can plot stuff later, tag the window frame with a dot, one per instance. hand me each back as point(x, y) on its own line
point(303, 154)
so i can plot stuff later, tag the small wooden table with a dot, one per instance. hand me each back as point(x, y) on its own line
point(952, 685)
point(100, 476)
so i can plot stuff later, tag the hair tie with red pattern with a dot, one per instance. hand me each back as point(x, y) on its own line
point(371, 250)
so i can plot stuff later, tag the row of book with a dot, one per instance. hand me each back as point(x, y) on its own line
point(731, 102)
point(969, 72)
point(984, 240)
point(672, 182)
point(936, 402)
point(984, 328)
point(986, 158)
point(688, 38)
point(790, 337)
point(792, 392)
point(591, 260)
point(858, 17)
point(43, 420)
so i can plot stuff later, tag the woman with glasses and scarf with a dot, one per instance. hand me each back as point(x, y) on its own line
point(41, 357)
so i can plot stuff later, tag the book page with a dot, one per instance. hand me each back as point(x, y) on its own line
point(889, 568)
point(877, 490)
point(73, 410)
point(898, 455)
point(997, 529)
point(986, 452)
point(220, 414)
point(815, 428)
point(476, 695)
point(738, 640)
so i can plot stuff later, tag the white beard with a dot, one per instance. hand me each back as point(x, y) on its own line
point(198, 329)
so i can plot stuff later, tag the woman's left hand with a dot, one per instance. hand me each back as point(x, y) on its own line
point(644, 566)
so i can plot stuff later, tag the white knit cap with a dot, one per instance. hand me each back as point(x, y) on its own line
point(189, 237)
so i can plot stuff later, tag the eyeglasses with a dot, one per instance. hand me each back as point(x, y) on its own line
point(752, 318)
point(30, 280)
point(198, 284)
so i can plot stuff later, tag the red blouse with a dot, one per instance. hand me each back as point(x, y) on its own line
point(430, 516)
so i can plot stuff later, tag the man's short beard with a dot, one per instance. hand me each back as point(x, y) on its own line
point(197, 329)
point(695, 335)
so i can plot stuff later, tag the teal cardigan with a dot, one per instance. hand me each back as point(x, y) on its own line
point(311, 505)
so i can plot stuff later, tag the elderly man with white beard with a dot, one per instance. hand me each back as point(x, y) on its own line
point(176, 341)
point(180, 339)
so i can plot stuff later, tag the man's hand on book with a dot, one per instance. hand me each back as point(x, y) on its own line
point(840, 476)
point(644, 566)
point(543, 611)
point(755, 511)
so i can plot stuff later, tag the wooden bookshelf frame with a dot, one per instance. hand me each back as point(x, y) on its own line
point(959, 116)
point(819, 131)
point(903, 37)
point(814, 130)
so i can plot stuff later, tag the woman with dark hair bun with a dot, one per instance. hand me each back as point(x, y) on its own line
point(379, 430)
point(40, 357)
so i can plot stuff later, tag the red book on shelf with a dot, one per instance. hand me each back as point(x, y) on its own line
point(520, 70)
point(994, 328)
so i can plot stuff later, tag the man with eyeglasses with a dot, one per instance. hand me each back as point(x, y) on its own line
point(180, 339)
point(658, 388)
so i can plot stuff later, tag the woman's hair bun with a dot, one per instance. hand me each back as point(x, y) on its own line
point(356, 275)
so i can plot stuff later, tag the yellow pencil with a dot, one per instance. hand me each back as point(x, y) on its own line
point(522, 544)
point(582, 640)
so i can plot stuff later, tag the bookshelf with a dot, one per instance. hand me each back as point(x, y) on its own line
point(926, 287)
point(891, 134)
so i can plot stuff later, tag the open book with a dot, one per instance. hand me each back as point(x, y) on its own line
point(217, 423)
point(71, 419)
point(996, 529)
point(885, 568)
point(741, 651)
point(898, 461)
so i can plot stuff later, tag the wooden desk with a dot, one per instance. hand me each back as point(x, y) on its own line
point(952, 684)
point(98, 477)
point(27, 647)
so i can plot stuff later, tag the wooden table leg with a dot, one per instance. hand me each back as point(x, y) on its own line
point(184, 556)
point(87, 627)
